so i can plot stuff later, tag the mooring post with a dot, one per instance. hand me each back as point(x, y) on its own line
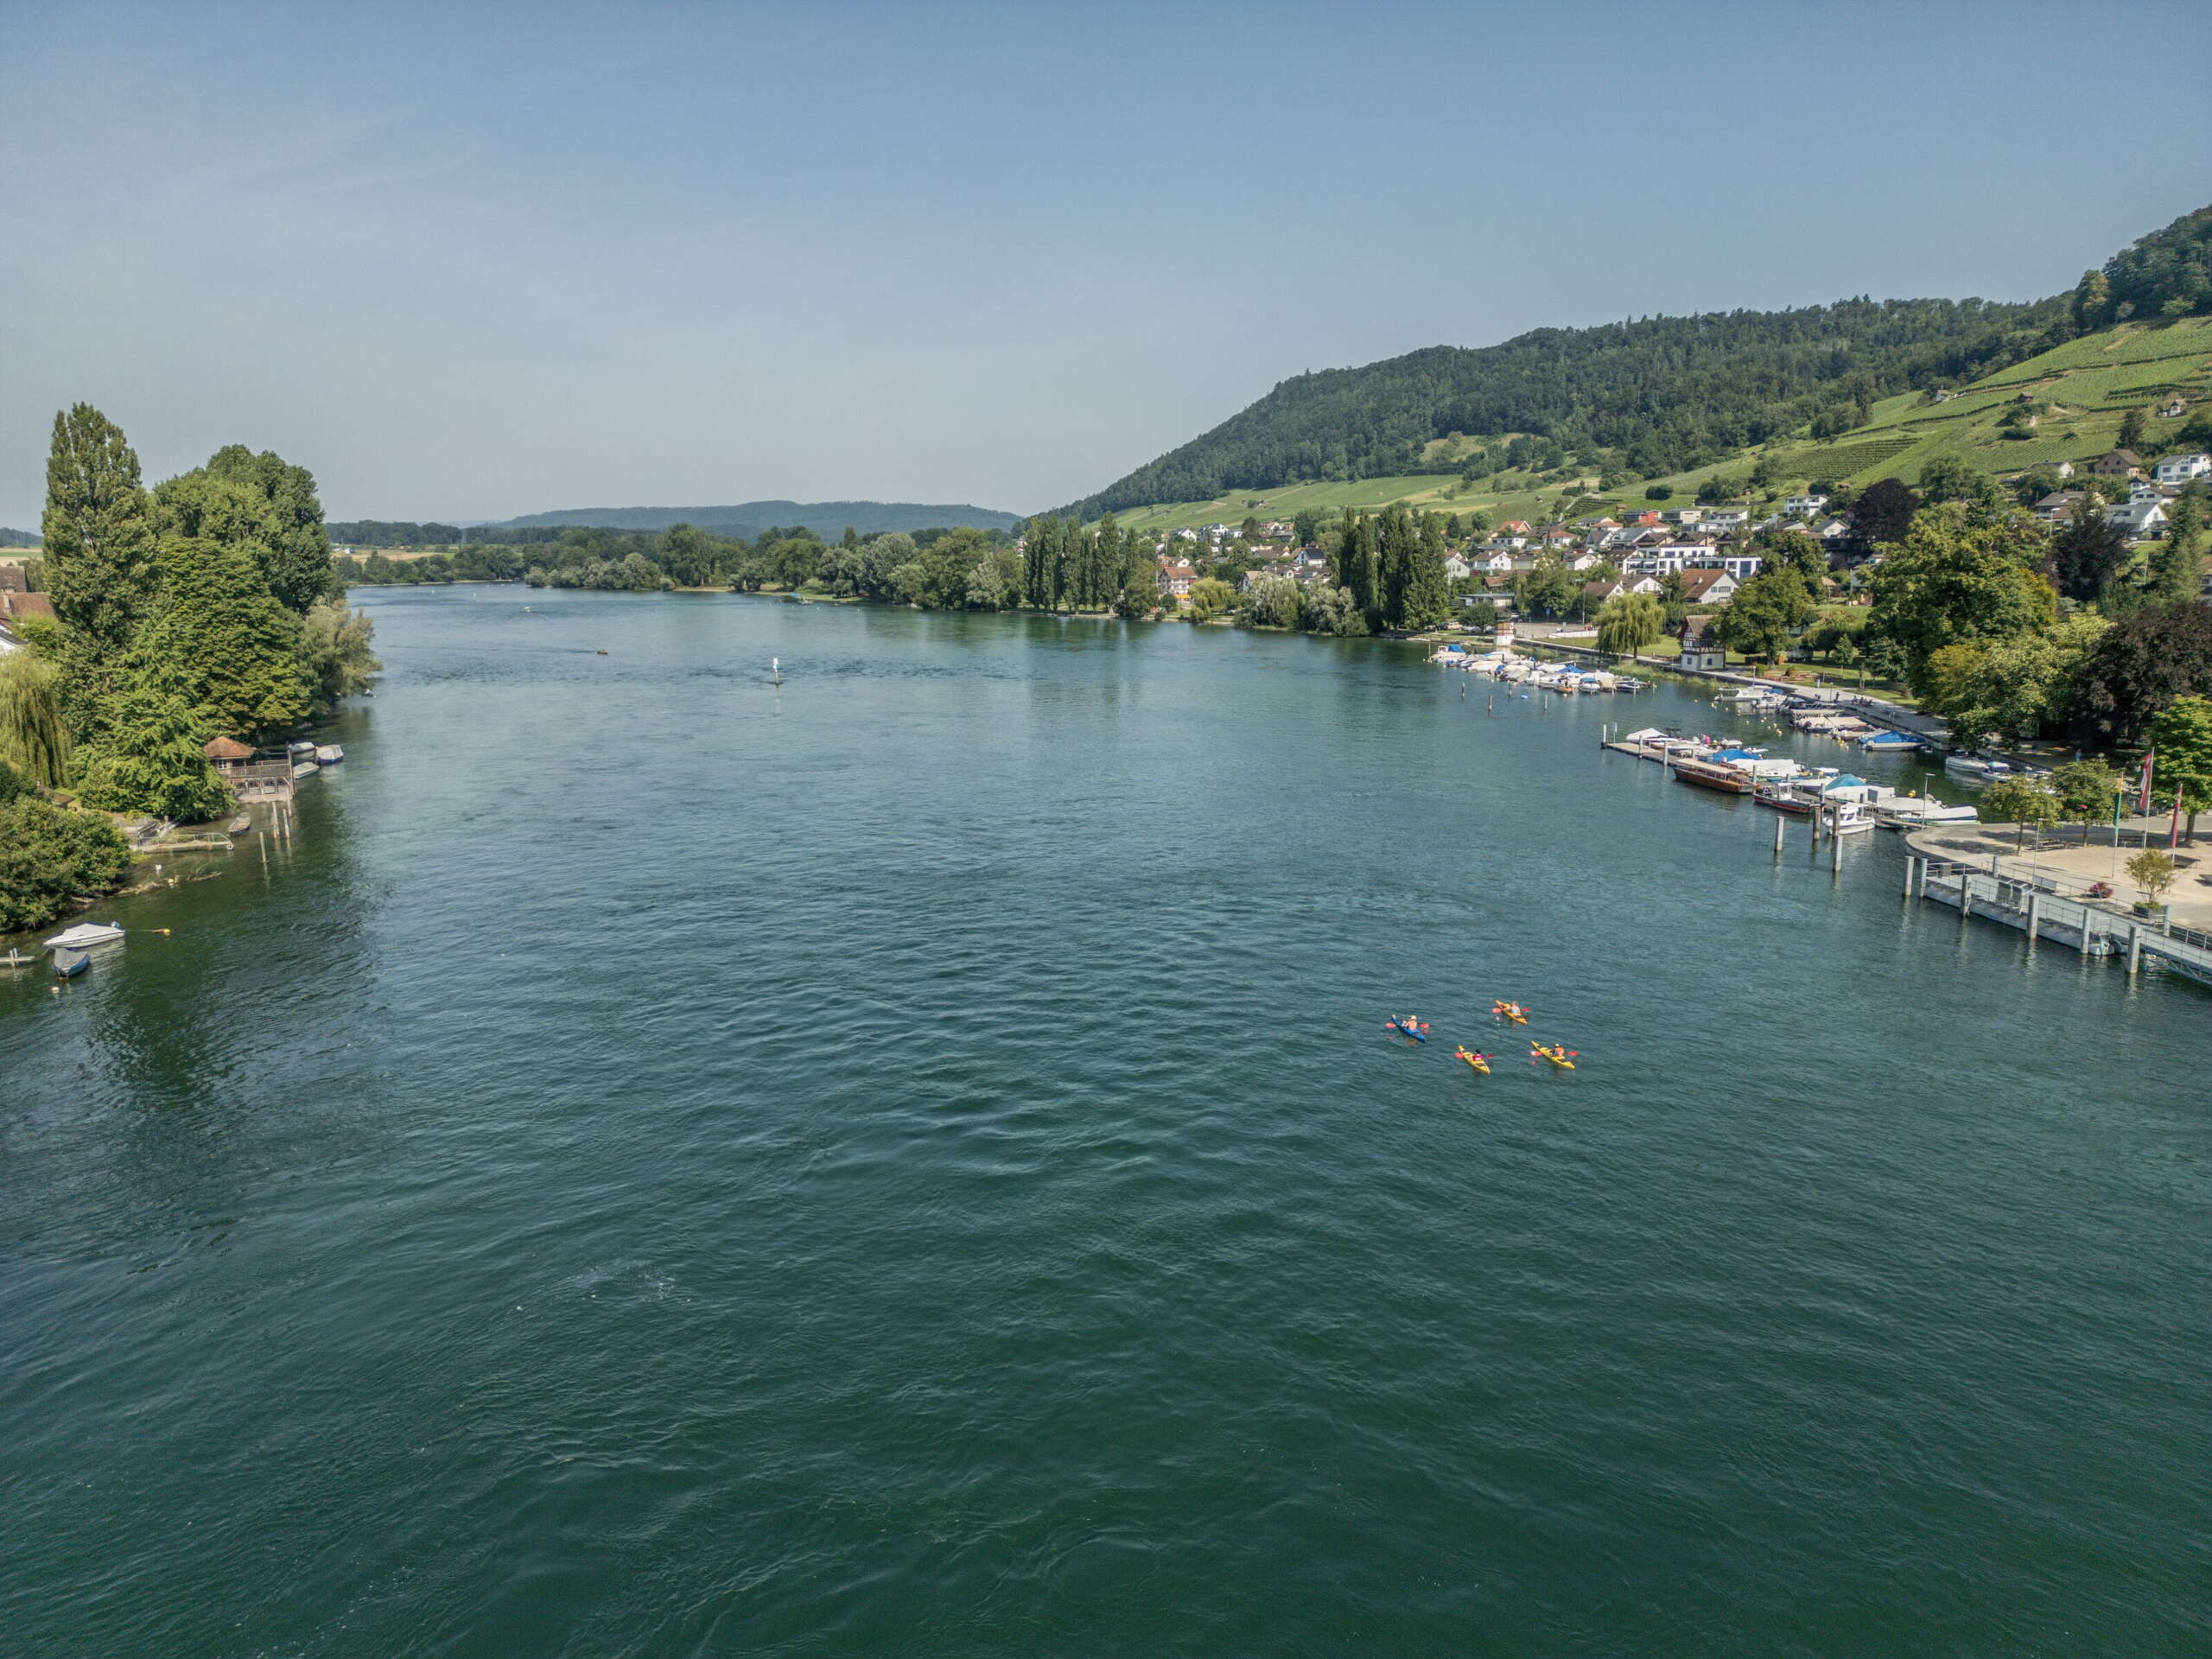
point(2134, 946)
point(1965, 899)
point(1910, 860)
point(1835, 846)
point(2035, 916)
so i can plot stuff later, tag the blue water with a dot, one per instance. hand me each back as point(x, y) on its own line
point(912, 1164)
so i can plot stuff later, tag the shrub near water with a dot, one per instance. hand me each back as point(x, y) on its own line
point(48, 856)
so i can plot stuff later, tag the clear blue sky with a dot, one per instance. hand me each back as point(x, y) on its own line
point(472, 260)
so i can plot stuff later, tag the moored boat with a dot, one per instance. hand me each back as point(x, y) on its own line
point(68, 964)
point(1975, 769)
point(328, 755)
point(83, 935)
point(1728, 780)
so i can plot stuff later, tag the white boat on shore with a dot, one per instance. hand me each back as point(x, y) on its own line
point(1975, 769)
point(1903, 812)
point(83, 935)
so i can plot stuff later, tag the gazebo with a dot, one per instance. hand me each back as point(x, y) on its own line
point(228, 754)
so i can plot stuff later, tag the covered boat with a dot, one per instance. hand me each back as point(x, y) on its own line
point(83, 935)
point(68, 964)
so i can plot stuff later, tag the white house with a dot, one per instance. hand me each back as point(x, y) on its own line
point(1726, 519)
point(1699, 649)
point(2139, 517)
point(1457, 568)
point(1704, 585)
point(2179, 469)
point(1742, 566)
point(1658, 560)
point(1800, 506)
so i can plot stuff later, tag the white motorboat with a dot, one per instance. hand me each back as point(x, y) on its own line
point(328, 755)
point(83, 935)
point(1913, 812)
point(305, 769)
point(1975, 769)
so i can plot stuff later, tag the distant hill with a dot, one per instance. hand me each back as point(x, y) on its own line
point(18, 537)
point(747, 518)
point(1549, 417)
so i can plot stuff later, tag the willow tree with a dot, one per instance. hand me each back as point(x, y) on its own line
point(34, 741)
point(1629, 622)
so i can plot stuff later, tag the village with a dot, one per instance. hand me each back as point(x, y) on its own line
point(1695, 556)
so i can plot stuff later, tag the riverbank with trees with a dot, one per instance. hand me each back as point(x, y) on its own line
point(205, 607)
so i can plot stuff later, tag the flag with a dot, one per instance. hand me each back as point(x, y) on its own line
point(2142, 795)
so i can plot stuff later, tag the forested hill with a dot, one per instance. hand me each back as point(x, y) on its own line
point(1656, 395)
point(18, 537)
point(748, 517)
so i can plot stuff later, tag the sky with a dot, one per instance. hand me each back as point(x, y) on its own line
point(469, 261)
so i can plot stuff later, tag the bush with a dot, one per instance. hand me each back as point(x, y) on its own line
point(47, 857)
point(1659, 492)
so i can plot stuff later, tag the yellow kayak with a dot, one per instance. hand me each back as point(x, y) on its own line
point(1512, 1011)
point(1480, 1062)
point(1561, 1058)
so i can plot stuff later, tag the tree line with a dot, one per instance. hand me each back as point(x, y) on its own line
point(206, 607)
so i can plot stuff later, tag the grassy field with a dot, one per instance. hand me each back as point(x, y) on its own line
point(2088, 383)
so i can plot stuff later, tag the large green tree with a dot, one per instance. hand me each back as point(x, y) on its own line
point(334, 654)
point(2181, 737)
point(1766, 613)
point(2088, 552)
point(2177, 563)
point(1629, 622)
point(220, 640)
point(98, 532)
point(2014, 687)
point(294, 546)
point(149, 759)
point(2143, 662)
point(1954, 581)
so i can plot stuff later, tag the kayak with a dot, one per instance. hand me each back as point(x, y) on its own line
point(1561, 1058)
point(1416, 1030)
point(1511, 1011)
point(1480, 1062)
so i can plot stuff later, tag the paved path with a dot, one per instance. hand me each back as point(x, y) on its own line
point(2065, 865)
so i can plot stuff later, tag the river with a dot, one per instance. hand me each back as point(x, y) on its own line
point(912, 1163)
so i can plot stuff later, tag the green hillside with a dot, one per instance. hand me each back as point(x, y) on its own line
point(1849, 393)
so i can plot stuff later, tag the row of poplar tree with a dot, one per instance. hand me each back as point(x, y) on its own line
point(204, 608)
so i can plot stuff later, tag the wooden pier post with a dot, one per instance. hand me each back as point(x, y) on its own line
point(2134, 946)
point(2034, 917)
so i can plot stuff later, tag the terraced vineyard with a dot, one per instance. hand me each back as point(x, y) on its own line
point(2088, 385)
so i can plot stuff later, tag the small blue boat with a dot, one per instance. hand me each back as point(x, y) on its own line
point(1882, 742)
point(68, 964)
